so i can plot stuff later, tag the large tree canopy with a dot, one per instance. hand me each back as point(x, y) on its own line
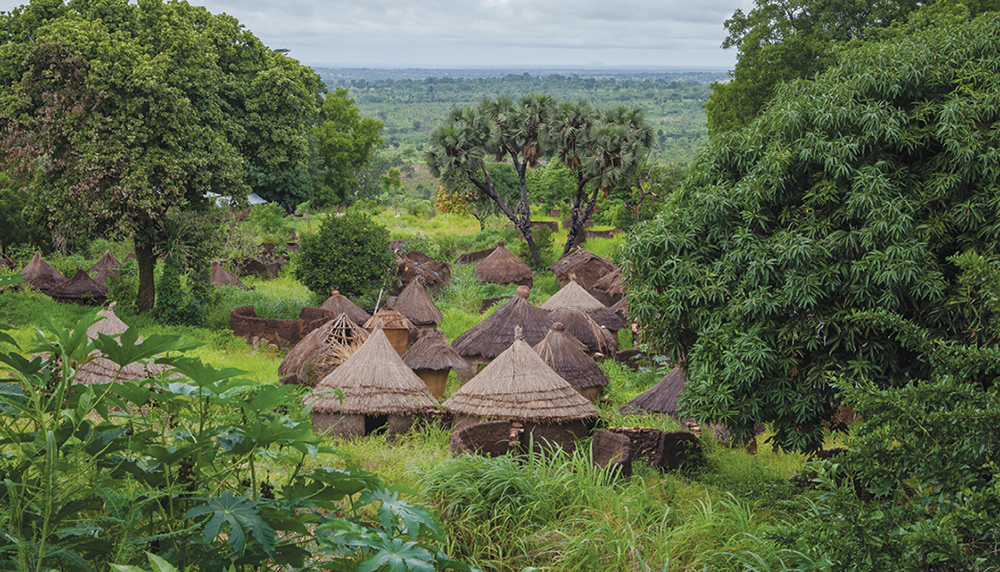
point(854, 191)
point(345, 143)
point(116, 113)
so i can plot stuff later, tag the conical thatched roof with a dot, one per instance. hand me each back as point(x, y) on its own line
point(572, 295)
point(338, 304)
point(374, 381)
point(611, 283)
point(416, 304)
point(495, 334)
point(107, 263)
point(661, 398)
point(582, 327)
point(581, 266)
point(40, 275)
point(502, 267)
point(389, 319)
point(432, 351)
point(326, 347)
point(81, 287)
point(566, 356)
point(223, 277)
point(103, 370)
point(519, 386)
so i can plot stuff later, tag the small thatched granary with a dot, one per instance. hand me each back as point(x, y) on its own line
point(502, 267)
point(223, 277)
point(567, 357)
point(489, 338)
point(397, 328)
point(338, 304)
point(595, 339)
point(609, 290)
point(320, 352)
point(416, 304)
point(80, 289)
point(431, 358)
point(581, 266)
point(107, 263)
point(661, 398)
point(102, 370)
point(40, 275)
point(379, 391)
point(519, 386)
point(572, 295)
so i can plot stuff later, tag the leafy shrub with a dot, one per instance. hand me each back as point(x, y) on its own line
point(124, 287)
point(349, 253)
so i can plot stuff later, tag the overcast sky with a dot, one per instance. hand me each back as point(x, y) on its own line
point(488, 33)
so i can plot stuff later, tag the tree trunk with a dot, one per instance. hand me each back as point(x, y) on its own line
point(146, 261)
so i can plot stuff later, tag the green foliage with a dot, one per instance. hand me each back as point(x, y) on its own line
point(849, 193)
point(270, 223)
point(349, 253)
point(345, 143)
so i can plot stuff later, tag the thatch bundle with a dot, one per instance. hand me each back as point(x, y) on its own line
point(80, 289)
point(492, 336)
point(40, 275)
point(581, 326)
point(582, 267)
point(102, 370)
point(502, 267)
point(431, 358)
point(338, 304)
point(320, 352)
point(416, 304)
point(397, 328)
point(566, 356)
point(572, 295)
point(374, 381)
point(661, 398)
point(519, 386)
point(223, 277)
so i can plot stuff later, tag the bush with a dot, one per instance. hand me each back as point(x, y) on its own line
point(349, 253)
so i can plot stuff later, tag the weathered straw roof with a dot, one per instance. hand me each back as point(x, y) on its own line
point(620, 308)
point(502, 267)
point(103, 370)
point(566, 356)
point(581, 265)
point(416, 304)
point(326, 347)
point(40, 275)
point(585, 329)
point(222, 277)
point(572, 295)
point(662, 397)
point(107, 263)
point(374, 381)
point(338, 304)
point(611, 283)
point(493, 335)
point(432, 351)
point(389, 319)
point(80, 287)
point(519, 386)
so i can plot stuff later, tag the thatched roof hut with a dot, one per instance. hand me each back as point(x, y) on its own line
point(489, 338)
point(40, 275)
point(581, 326)
point(572, 295)
point(223, 277)
point(502, 267)
point(416, 304)
point(378, 390)
point(621, 308)
point(566, 356)
point(661, 398)
point(102, 370)
point(80, 289)
point(431, 358)
point(397, 328)
point(107, 263)
point(519, 386)
point(610, 289)
point(320, 352)
point(338, 304)
point(581, 266)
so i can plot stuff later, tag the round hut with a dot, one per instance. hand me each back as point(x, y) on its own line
point(518, 386)
point(40, 275)
point(502, 267)
point(106, 264)
point(595, 339)
point(397, 328)
point(572, 295)
point(370, 392)
point(566, 356)
point(321, 351)
point(223, 277)
point(102, 370)
point(581, 266)
point(609, 290)
point(80, 289)
point(416, 304)
point(489, 338)
point(431, 358)
point(338, 304)
point(661, 398)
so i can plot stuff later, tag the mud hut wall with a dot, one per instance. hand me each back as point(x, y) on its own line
point(474, 257)
point(336, 424)
point(399, 424)
point(399, 338)
point(245, 323)
point(591, 393)
point(470, 372)
point(490, 439)
point(435, 380)
point(545, 435)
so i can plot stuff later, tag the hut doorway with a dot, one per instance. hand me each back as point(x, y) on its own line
point(376, 424)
